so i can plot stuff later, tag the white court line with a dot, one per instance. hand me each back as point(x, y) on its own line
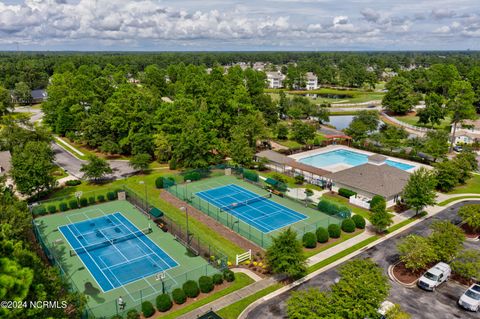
point(68, 226)
point(272, 203)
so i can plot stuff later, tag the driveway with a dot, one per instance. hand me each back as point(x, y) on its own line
point(441, 304)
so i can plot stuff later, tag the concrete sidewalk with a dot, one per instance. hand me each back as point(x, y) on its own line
point(230, 298)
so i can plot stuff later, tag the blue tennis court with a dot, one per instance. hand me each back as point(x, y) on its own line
point(115, 251)
point(257, 211)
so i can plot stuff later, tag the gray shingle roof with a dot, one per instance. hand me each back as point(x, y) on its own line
point(383, 180)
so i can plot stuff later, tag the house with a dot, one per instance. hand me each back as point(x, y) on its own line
point(468, 132)
point(259, 66)
point(311, 81)
point(5, 162)
point(38, 96)
point(373, 178)
point(275, 80)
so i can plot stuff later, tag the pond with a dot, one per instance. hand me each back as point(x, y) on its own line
point(341, 122)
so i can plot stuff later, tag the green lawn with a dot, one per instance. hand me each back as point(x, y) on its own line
point(354, 95)
point(413, 120)
point(322, 247)
point(448, 201)
point(241, 280)
point(235, 309)
point(289, 143)
point(59, 173)
point(472, 186)
point(198, 228)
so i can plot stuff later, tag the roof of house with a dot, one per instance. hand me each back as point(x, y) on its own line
point(5, 164)
point(39, 94)
point(311, 76)
point(475, 124)
point(275, 75)
point(383, 180)
point(377, 158)
point(275, 157)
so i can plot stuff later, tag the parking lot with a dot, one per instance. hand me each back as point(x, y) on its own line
point(440, 304)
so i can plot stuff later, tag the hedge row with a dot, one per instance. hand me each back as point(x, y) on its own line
point(346, 192)
point(72, 204)
point(250, 175)
point(322, 235)
point(190, 289)
point(332, 208)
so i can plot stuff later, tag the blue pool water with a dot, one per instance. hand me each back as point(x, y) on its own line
point(345, 157)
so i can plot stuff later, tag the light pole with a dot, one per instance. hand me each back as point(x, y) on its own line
point(146, 196)
point(186, 189)
point(186, 218)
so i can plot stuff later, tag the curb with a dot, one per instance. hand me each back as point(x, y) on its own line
point(392, 277)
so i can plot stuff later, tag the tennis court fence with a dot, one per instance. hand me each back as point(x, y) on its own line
point(246, 230)
point(57, 254)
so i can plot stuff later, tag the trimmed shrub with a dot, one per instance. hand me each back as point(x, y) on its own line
point(63, 207)
point(309, 240)
point(228, 275)
point(111, 195)
point(322, 235)
point(133, 314)
point(193, 176)
point(206, 284)
point(299, 179)
point(217, 279)
point(178, 296)
point(163, 302)
point(39, 210)
point(191, 288)
point(332, 208)
point(73, 182)
point(346, 192)
point(159, 182)
point(116, 317)
point(359, 221)
point(52, 209)
point(334, 230)
point(348, 225)
point(101, 198)
point(91, 200)
point(147, 309)
point(250, 175)
point(73, 204)
point(83, 202)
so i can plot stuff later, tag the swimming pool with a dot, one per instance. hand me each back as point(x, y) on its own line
point(348, 157)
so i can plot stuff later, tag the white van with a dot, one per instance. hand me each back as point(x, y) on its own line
point(435, 276)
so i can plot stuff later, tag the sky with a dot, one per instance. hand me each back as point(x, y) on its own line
point(250, 25)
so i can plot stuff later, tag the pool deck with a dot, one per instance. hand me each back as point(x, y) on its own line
point(341, 166)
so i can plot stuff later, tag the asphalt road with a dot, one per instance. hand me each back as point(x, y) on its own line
point(441, 304)
point(69, 162)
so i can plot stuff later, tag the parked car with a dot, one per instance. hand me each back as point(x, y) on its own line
point(435, 276)
point(470, 299)
point(458, 148)
point(384, 308)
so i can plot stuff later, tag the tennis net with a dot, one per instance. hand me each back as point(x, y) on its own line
point(109, 241)
point(245, 202)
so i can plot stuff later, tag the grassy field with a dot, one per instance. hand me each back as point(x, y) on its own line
point(198, 228)
point(146, 288)
point(412, 119)
point(472, 186)
point(353, 96)
point(235, 309)
point(88, 151)
point(448, 201)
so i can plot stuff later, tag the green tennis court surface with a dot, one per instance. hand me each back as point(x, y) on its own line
point(199, 194)
point(132, 292)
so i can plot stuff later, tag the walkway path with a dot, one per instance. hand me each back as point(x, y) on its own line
point(247, 272)
point(230, 298)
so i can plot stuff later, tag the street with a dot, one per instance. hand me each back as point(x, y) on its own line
point(441, 304)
